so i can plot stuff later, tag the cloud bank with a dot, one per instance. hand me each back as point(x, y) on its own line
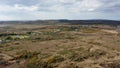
point(59, 9)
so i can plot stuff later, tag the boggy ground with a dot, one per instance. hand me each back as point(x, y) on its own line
point(63, 46)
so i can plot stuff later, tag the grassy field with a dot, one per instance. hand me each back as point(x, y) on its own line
point(59, 46)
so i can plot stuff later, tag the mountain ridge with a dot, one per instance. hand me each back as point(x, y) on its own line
point(97, 21)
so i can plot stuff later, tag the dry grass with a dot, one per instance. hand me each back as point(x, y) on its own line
point(60, 47)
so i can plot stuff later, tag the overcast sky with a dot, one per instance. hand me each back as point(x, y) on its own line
point(59, 9)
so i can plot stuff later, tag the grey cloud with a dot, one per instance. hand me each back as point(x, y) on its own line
point(60, 7)
point(23, 2)
point(110, 6)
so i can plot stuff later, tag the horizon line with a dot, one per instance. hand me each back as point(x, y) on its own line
point(59, 19)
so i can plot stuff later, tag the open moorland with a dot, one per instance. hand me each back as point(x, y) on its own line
point(59, 46)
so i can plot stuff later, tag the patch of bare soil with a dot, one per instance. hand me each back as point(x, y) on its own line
point(110, 31)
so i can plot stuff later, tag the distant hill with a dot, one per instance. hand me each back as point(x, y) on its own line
point(84, 22)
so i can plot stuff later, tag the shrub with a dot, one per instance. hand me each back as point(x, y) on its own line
point(80, 56)
point(113, 64)
point(54, 59)
point(29, 33)
point(65, 52)
point(89, 30)
point(97, 53)
point(49, 62)
point(94, 43)
point(34, 62)
point(16, 37)
point(2, 61)
point(69, 65)
point(26, 54)
point(118, 34)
